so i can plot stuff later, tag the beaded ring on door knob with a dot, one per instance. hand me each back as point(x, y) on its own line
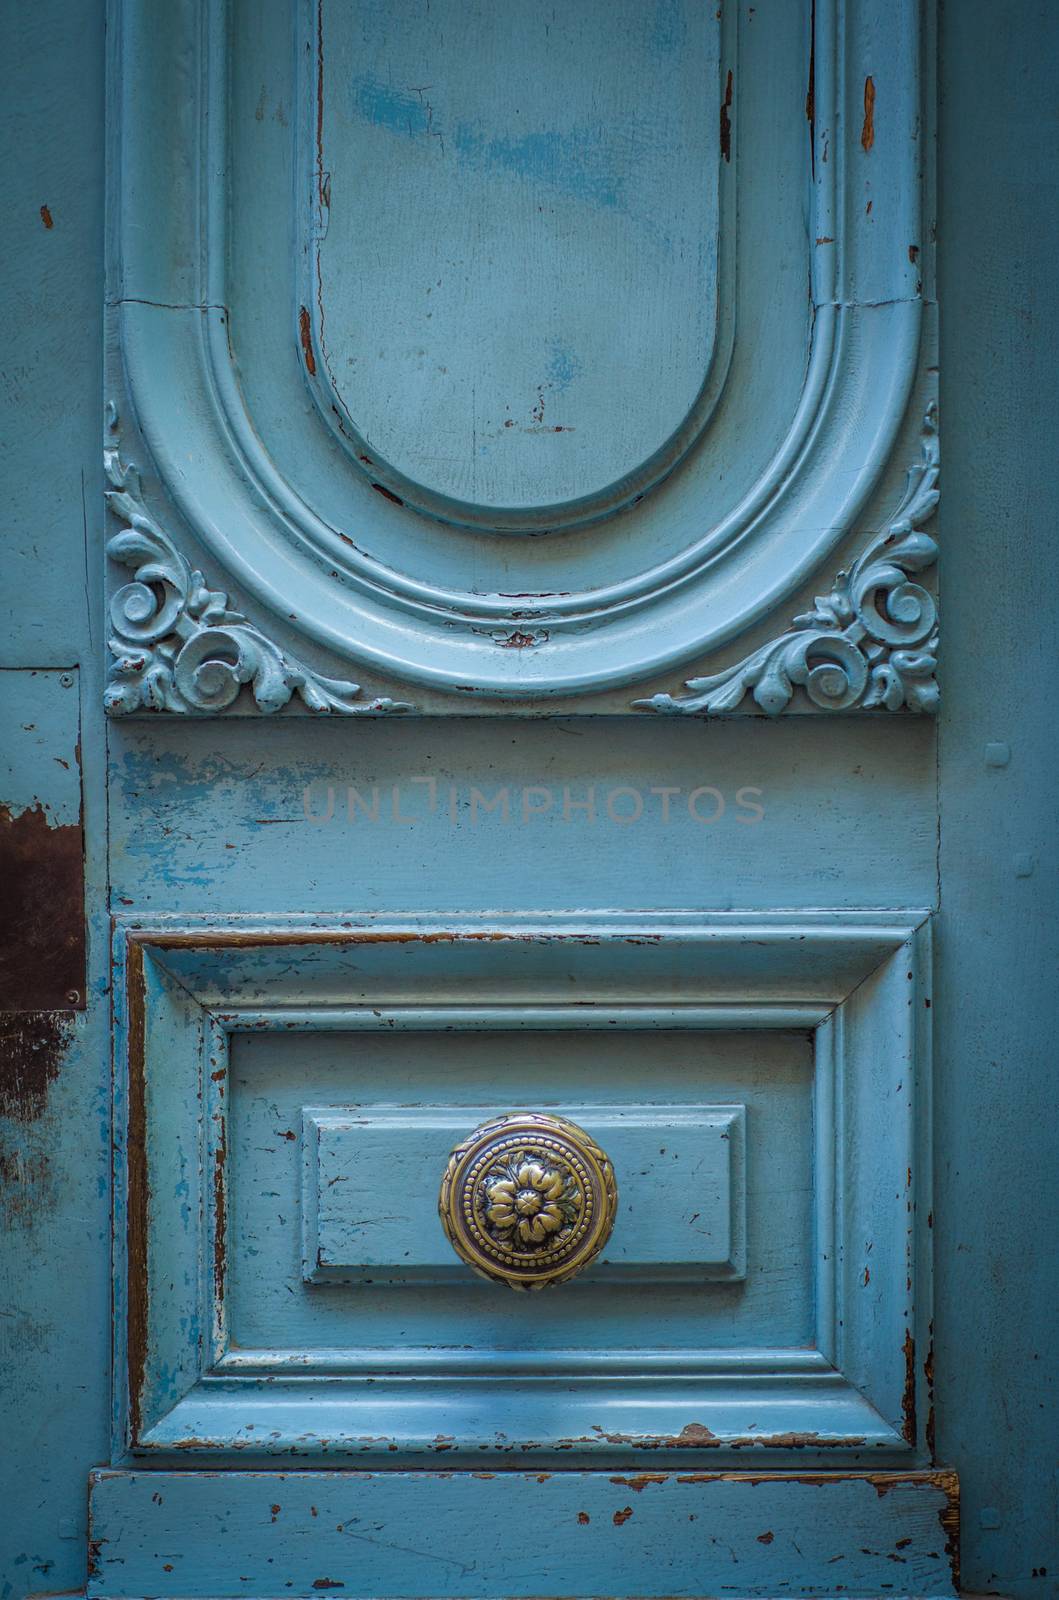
point(528, 1199)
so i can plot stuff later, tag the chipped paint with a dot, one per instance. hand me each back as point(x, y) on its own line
point(867, 132)
point(949, 1517)
point(908, 1398)
point(220, 1210)
point(750, 1520)
point(32, 1047)
point(387, 494)
point(305, 334)
point(639, 1484)
point(928, 1373)
point(726, 121)
point(374, 867)
point(138, 1193)
point(522, 641)
point(697, 1437)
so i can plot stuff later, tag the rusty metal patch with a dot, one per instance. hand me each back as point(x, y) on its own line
point(42, 872)
point(42, 960)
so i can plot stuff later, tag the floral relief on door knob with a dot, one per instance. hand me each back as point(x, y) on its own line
point(528, 1199)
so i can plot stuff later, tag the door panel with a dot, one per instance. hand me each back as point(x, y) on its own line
point(522, 362)
point(734, 273)
point(209, 830)
point(596, 183)
point(230, 1036)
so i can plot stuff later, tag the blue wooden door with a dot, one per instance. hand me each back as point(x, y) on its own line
point(521, 461)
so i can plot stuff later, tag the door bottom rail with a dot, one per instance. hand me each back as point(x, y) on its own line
point(456, 1535)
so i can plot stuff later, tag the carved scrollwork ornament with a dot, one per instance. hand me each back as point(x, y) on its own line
point(177, 644)
point(871, 644)
point(528, 1200)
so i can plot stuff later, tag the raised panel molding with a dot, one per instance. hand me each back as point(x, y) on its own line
point(847, 1385)
point(370, 1191)
point(258, 481)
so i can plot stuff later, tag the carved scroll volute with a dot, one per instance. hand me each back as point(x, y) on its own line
point(528, 1200)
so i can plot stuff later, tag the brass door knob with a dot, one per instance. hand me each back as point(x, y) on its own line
point(528, 1199)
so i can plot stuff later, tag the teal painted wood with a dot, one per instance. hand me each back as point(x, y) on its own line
point(745, 478)
point(850, 818)
point(997, 1003)
point(569, 1534)
point(55, 1121)
point(483, 379)
point(218, 1331)
point(831, 814)
point(681, 1172)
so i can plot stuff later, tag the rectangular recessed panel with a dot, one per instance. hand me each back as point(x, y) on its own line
point(370, 1190)
point(370, 1357)
point(337, 1143)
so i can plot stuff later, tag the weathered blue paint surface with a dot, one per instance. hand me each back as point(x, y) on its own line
point(55, 1280)
point(997, 1172)
point(517, 362)
point(335, 432)
point(809, 1349)
point(615, 1532)
point(207, 826)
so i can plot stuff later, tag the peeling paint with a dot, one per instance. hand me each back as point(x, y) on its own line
point(908, 1399)
point(220, 1211)
point(867, 132)
point(32, 1046)
point(387, 494)
point(726, 121)
point(949, 1517)
point(305, 333)
point(928, 1373)
point(138, 1196)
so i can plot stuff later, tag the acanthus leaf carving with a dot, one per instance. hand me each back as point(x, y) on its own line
point(871, 643)
point(177, 644)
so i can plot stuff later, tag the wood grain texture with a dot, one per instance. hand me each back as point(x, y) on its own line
point(654, 1534)
point(831, 815)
